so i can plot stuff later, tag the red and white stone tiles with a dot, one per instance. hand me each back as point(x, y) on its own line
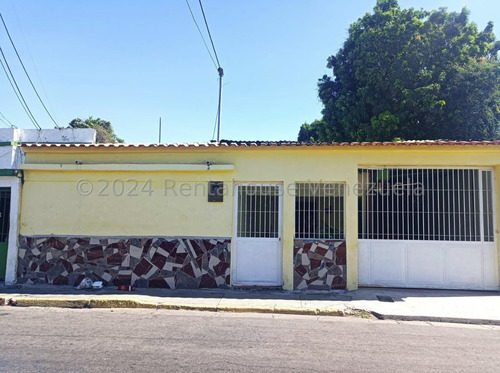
point(143, 262)
point(319, 265)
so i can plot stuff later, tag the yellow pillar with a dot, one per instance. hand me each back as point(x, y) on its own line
point(497, 206)
point(351, 226)
point(288, 234)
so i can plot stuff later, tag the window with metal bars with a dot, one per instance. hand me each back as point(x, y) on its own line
point(4, 214)
point(258, 211)
point(319, 211)
point(437, 204)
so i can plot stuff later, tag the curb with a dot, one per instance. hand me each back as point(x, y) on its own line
point(129, 303)
point(48, 302)
point(186, 307)
point(454, 320)
point(76, 303)
point(119, 303)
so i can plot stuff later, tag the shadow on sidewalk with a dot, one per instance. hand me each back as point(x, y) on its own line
point(381, 294)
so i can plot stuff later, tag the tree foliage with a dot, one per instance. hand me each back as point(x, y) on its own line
point(104, 129)
point(411, 74)
point(312, 132)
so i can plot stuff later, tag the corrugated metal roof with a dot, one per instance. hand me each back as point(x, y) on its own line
point(246, 144)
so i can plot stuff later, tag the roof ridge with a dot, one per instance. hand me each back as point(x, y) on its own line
point(260, 143)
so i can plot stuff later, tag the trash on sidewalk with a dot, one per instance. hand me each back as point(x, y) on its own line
point(86, 283)
point(97, 285)
point(126, 287)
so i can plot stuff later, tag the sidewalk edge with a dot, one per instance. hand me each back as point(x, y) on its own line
point(440, 319)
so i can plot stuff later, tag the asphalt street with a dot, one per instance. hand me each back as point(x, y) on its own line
point(105, 340)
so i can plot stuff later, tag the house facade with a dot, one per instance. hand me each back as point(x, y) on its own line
point(284, 214)
point(11, 157)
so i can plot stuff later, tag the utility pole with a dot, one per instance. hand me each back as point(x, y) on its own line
point(159, 135)
point(221, 74)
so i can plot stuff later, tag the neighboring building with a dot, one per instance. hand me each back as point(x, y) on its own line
point(300, 216)
point(11, 178)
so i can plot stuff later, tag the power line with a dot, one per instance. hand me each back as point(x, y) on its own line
point(201, 34)
point(219, 70)
point(33, 62)
point(26, 72)
point(5, 120)
point(19, 95)
point(217, 66)
point(209, 34)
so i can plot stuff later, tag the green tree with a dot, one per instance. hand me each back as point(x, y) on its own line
point(312, 132)
point(411, 74)
point(104, 129)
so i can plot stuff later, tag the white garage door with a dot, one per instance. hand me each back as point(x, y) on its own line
point(427, 227)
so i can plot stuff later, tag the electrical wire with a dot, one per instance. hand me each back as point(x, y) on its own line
point(5, 120)
point(33, 62)
point(18, 91)
point(201, 34)
point(26, 72)
point(217, 65)
point(209, 34)
point(17, 94)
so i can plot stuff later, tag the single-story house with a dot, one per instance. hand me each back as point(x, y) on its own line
point(299, 216)
point(11, 157)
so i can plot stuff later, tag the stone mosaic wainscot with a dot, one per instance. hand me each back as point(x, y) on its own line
point(143, 262)
point(319, 265)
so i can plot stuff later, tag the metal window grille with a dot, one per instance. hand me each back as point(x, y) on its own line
point(319, 211)
point(487, 217)
point(426, 204)
point(4, 214)
point(4, 228)
point(258, 211)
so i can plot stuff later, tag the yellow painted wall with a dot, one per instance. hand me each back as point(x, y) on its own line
point(497, 205)
point(52, 204)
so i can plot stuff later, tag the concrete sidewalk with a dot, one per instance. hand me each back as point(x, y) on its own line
point(472, 307)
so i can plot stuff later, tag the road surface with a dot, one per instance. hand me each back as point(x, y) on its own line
point(104, 340)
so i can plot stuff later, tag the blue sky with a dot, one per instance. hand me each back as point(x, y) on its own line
point(131, 62)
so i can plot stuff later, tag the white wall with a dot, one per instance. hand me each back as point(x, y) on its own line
point(10, 157)
point(12, 250)
point(428, 264)
point(65, 135)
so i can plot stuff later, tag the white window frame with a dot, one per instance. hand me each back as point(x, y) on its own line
point(367, 235)
point(319, 230)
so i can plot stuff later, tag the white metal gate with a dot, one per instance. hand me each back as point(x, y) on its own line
point(427, 227)
point(257, 249)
